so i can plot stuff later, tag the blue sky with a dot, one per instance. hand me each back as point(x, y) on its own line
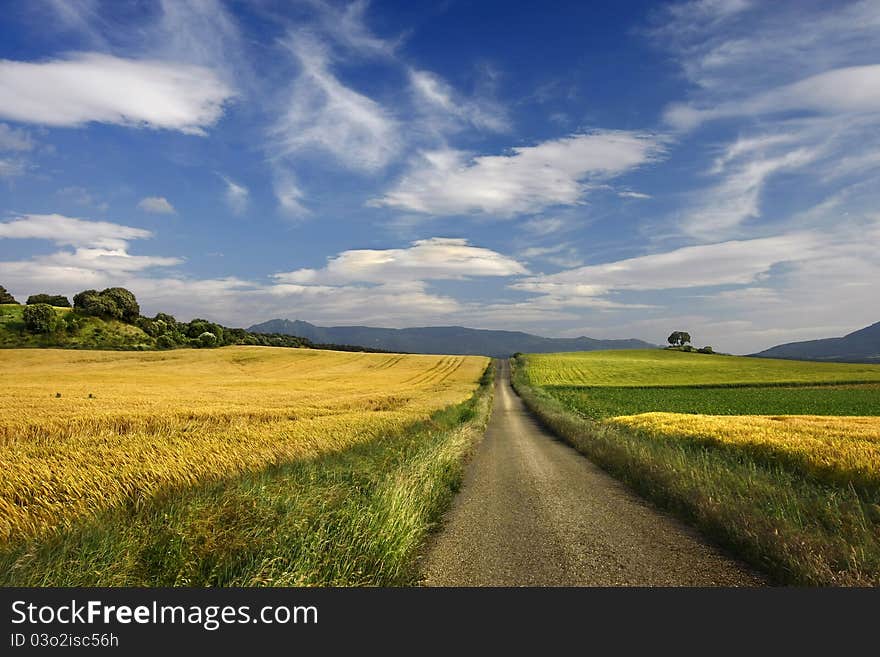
point(565, 169)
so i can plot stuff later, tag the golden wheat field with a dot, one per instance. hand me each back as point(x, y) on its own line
point(129, 424)
point(834, 449)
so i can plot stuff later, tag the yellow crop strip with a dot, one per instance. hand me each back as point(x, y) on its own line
point(833, 449)
point(128, 425)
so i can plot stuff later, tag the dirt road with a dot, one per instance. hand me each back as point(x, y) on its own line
point(534, 512)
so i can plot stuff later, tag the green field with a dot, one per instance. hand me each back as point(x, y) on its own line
point(658, 367)
point(777, 460)
point(606, 402)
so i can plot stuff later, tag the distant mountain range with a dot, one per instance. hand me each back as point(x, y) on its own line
point(442, 339)
point(862, 346)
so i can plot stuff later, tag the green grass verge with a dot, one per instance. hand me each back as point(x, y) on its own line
point(599, 403)
point(356, 518)
point(640, 368)
point(795, 529)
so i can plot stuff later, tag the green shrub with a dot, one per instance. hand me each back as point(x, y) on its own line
point(165, 342)
point(39, 318)
point(57, 300)
point(72, 322)
point(125, 302)
point(207, 339)
point(706, 350)
point(199, 326)
point(168, 320)
point(112, 303)
point(92, 302)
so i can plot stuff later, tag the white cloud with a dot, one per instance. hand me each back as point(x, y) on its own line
point(323, 114)
point(99, 256)
point(94, 87)
point(528, 179)
point(739, 262)
point(109, 261)
point(851, 90)
point(637, 195)
point(436, 258)
point(156, 205)
point(390, 304)
point(70, 231)
point(236, 195)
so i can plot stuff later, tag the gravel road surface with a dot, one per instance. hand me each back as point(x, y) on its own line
point(534, 512)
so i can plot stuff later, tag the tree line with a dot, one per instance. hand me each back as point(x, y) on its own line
point(116, 303)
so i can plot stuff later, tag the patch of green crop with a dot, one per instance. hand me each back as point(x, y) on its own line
point(600, 403)
point(638, 368)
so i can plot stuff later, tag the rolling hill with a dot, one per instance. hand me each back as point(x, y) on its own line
point(862, 346)
point(442, 339)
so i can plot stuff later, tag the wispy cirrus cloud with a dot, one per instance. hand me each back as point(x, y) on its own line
point(289, 194)
point(850, 90)
point(805, 117)
point(323, 114)
point(15, 139)
point(528, 179)
point(82, 196)
point(17, 143)
point(236, 195)
point(447, 110)
point(723, 210)
point(728, 48)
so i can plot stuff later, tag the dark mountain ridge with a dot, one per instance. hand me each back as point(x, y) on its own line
point(862, 346)
point(442, 339)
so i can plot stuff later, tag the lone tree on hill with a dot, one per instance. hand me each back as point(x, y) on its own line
point(5, 297)
point(679, 338)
